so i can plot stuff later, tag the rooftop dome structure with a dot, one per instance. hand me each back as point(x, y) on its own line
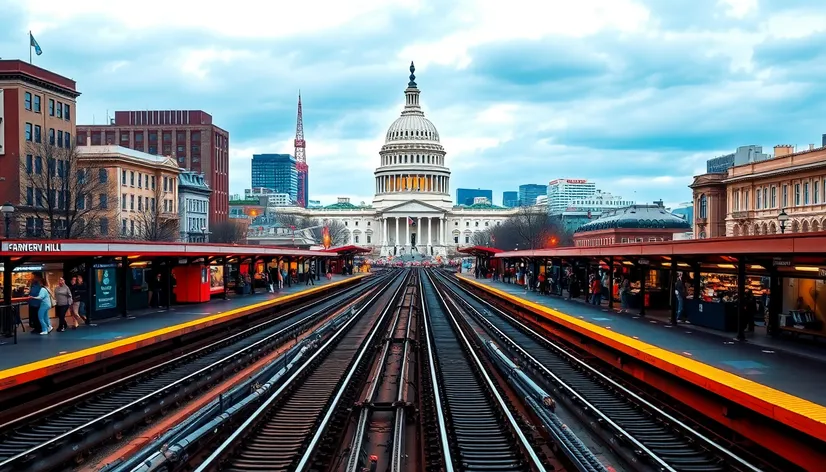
point(412, 158)
point(637, 216)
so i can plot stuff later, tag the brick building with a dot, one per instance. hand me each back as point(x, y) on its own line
point(188, 136)
point(37, 110)
point(632, 224)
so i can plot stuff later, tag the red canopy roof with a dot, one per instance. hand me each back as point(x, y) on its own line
point(349, 250)
point(480, 250)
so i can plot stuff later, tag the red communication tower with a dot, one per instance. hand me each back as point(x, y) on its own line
point(301, 158)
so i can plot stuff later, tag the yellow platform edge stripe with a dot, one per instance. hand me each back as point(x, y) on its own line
point(759, 391)
point(70, 356)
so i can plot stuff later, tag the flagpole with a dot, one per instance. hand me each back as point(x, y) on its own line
point(30, 46)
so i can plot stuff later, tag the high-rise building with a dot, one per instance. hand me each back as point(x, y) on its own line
point(465, 196)
point(561, 192)
point(743, 155)
point(276, 172)
point(529, 192)
point(583, 211)
point(510, 199)
point(37, 110)
point(188, 136)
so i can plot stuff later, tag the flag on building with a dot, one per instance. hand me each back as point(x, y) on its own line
point(410, 221)
point(33, 44)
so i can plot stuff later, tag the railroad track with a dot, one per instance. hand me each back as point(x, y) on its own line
point(382, 416)
point(286, 431)
point(649, 437)
point(70, 429)
point(476, 428)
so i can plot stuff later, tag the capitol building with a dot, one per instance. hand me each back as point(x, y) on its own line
point(412, 212)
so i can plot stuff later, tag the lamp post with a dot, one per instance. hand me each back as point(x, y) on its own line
point(783, 217)
point(203, 232)
point(8, 210)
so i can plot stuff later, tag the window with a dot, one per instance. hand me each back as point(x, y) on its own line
point(456, 239)
point(29, 163)
point(140, 203)
point(153, 150)
point(104, 225)
point(59, 110)
point(37, 103)
point(703, 211)
point(467, 239)
point(138, 137)
point(765, 197)
point(153, 182)
point(152, 201)
point(785, 196)
point(132, 227)
point(34, 226)
point(140, 180)
point(29, 195)
point(38, 197)
point(67, 139)
point(132, 178)
point(181, 149)
point(165, 184)
point(735, 204)
point(28, 132)
point(60, 138)
point(356, 239)
point(123, 177)
point(774, 197)
point(797, 194)
point(806, 193)
point(123, 226)
point(816, 189)
point(28, 100)
point(38, 165)
point(132, 202)
point(51, 136)
point(748, 204)
point(124, 138)
point(51, 107)
point(759, 201)
point(369, 239)
point(103, 176)
point(67, 113)
point(104, 201)
point(123, 202)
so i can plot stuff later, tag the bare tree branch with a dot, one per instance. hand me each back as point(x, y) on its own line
point(227, 232)
point(66, 195)
point(155, 220)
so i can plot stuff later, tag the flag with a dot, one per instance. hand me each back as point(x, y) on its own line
point(410, 221)
point(33, 44)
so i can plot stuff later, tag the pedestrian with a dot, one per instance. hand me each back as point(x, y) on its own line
point(596, 291)
point(79, 299)
point(624, 293)
point(679, 296)
point(34, 304)
point(46, 302)
point(63, 304)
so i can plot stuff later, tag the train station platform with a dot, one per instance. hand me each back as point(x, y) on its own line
point(778, 384)
point(36, 357)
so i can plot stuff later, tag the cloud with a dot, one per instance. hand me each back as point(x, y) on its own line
point(634, 94)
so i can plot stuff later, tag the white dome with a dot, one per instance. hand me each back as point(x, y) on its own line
point(412, 128)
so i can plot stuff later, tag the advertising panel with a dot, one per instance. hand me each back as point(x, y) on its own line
point(106, 288)
point(216, 279)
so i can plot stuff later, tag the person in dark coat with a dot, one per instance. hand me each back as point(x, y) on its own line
point(34, 303)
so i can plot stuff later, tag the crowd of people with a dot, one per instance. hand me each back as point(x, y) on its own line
point(66, 299)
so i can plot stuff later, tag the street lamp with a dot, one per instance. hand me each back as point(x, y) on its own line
point(783, 218)
point(203, 231)
point(8, 210)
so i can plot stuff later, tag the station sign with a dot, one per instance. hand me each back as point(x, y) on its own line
point(781, 262)
point(33, 247)
point(644, 262)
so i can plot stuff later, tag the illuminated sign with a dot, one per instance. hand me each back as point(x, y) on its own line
point(2, 126)
point(34, 247)
point(577, 181)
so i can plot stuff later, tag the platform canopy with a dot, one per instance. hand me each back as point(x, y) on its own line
point(478, 251)
point(57, 249)
point(349, 250)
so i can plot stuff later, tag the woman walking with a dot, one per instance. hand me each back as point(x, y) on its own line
point(624, 293)
point(63, 301)
point(46, 301)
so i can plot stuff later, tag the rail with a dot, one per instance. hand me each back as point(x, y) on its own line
point(468, 404)
point(295, 438)
point(26, 439)
point(608, 399)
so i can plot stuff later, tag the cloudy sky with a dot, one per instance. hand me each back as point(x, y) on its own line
point(634, 94)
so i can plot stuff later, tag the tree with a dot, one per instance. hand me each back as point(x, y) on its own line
point(155, 219)
point(339, 234)
point(228, 232)
point(66, 195)
point(529, 228)
point(484, 238)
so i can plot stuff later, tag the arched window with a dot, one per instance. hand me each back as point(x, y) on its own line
point(703, 212)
